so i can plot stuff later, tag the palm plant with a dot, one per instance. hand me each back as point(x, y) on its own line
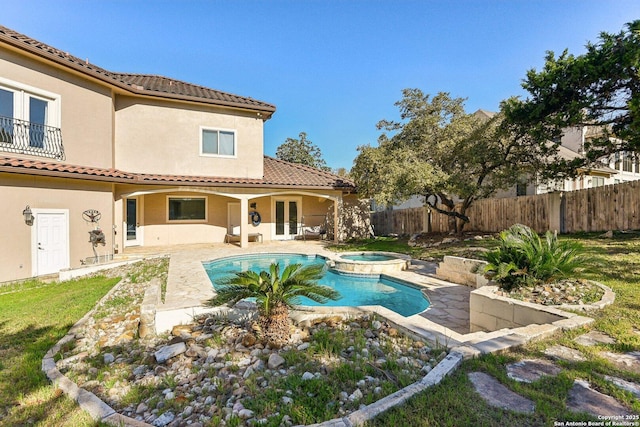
point(523, 258)
point(275, 294)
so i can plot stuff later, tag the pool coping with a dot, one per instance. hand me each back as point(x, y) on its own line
point(461, 346)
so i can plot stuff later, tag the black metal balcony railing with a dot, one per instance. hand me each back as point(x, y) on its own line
point(21, 136)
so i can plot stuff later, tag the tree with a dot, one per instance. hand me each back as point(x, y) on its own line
point(442, 153)
point(599, 90)
point(274, 294)
point(302, 151)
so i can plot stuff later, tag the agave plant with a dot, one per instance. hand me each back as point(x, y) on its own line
point(523, 258)
point(275, 294)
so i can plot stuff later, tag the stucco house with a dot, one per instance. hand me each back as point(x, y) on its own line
point(148, 160)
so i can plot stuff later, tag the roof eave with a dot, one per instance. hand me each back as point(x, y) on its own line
point(99, 74)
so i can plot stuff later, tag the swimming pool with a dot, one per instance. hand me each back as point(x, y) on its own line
point(356, 290)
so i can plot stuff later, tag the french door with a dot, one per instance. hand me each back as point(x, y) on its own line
point(132, 223)
point(287, 214)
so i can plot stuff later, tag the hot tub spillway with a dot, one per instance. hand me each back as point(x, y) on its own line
point(371, 262)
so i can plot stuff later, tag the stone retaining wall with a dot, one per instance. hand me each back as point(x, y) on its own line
point(491, 312)
point(463, 271)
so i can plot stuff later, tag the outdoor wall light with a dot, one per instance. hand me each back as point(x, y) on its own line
point(28, 216)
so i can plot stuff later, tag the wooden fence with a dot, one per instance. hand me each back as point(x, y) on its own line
point(612, 207)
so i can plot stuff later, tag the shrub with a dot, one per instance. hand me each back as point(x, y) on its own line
point(525, 259)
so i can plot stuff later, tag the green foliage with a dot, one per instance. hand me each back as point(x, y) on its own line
point(270, 289)
point(302, 151)
point(599, 89)
point(442, 153)
point(523, 258)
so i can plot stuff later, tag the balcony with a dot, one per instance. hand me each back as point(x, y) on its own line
point(23, 137)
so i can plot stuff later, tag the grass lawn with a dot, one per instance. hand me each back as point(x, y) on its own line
point(454, 401)
point(33, 317)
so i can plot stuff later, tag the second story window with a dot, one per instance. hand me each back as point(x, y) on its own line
point(627, 162)
point(29, 121)
point(218, 142)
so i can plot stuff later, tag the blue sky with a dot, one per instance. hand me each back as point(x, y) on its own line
point(332, 68)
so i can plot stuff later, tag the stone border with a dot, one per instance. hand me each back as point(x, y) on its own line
point(361, 416)
point(399, 262)
point(88, 401)
point(73, 273)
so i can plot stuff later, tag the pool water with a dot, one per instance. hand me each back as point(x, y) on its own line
point(356, 290)
point(368, 257)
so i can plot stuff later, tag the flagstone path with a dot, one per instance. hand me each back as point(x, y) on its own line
point(582, 397)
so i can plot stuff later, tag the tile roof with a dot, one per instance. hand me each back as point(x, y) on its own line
point(10, 164)
point(135, 83)
point(277, 174)
point(172, 87)
point(280, 172)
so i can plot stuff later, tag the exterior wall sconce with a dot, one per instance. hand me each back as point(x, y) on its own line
point(28, 216)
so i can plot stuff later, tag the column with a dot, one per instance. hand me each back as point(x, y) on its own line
point(244, 218)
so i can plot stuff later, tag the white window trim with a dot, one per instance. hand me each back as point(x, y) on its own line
point(21, 107)
point(189, 221)
point(235, 142)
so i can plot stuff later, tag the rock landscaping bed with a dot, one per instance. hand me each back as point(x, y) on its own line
point(570, 291)
point(216, 372)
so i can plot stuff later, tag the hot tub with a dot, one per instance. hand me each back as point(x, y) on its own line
point(371, 262)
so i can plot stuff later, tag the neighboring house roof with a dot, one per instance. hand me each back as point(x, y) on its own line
point(137, 84)
point(277, 174)
point(484, 113)
point(568, 154)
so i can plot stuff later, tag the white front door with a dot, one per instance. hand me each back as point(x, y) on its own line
point(287, 214)
point(50, 241)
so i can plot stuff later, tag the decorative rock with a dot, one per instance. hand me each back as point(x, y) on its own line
point(287, 400)
point(181, 330)
point(303, 346)
point(164, 419)
point(356, 395)
point(139, 370)
point(307, 376)
point(275, 360)
point(245, 414)
point(497, 395)
point(582, 398)
point(530, 370)
point(108, 358)
point(141, 408)
point(376, 324)
point(169, 351)
point(248, 373)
